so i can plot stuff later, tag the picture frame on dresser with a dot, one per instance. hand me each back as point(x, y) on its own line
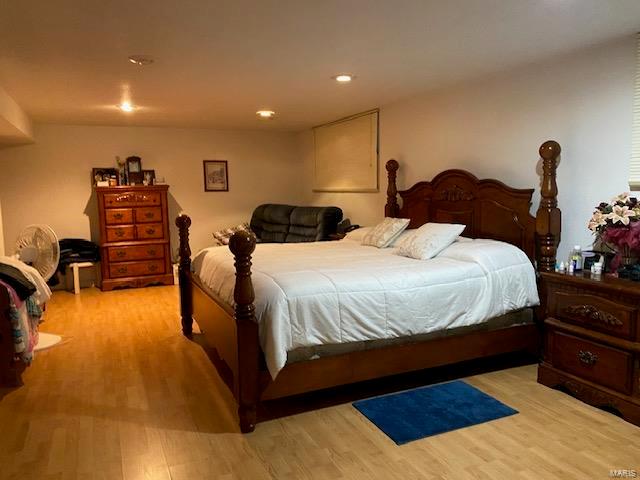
point(105, 174)
point(216, 175)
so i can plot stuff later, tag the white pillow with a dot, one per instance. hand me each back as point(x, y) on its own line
point(358, 234)
point(400, 238)
point(383, 234)
point(429, 240)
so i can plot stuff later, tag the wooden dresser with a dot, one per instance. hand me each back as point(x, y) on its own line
point(592, 340)
point(134, 236)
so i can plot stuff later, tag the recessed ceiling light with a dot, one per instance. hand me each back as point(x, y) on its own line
point(141, 60)
point(266, 113)
point(126, 107)
point(343, 78)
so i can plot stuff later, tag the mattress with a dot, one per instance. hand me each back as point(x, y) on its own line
point(331, 293)
point(511, 319)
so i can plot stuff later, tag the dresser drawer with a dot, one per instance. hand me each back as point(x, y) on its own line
point(149, 231)
point(120, 234)
point(115, 216)
point(601, 364)
point(141, 252)
point(594, 312)
point(132, 199)
point(134, 269)
point(148, 214)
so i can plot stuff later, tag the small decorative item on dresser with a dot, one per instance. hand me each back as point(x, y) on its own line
point(104, 177)
point(216, 176)
point(616, 225)
point(148, 177)
point(592, 340)
point(134, 236)
point(134, 170)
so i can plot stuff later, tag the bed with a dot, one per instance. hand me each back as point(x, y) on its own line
point(262, 362)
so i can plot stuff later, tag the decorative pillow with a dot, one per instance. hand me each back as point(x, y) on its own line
point(383, 234)
point(223, 236)
point(429, 240)
point(358, 234)
point(400, 238)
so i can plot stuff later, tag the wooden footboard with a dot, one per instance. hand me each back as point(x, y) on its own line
point(231, 337)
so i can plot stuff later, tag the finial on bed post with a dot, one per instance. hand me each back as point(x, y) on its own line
point(392, 209)
point(183, 222)
point(242, 244)
point(548, 217)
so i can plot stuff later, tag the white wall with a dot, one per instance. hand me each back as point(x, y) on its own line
point(49, 181)
point(494, 126)
point(15, 125)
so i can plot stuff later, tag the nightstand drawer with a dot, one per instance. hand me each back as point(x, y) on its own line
point(593, 312)
point(601, 364)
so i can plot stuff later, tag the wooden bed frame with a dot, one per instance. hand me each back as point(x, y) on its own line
point(489, 208)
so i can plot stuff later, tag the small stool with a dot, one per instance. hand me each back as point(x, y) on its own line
point(76, 274)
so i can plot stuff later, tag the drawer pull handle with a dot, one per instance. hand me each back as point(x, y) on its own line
point(119, 233)
point(121, 253)
point(118, 216)
point(587, 357)
point(151, 252)
point(590, 312)
point(126, 197)
point(149, 215)
point(153, 268)
point(150, 231)
point(122, 270)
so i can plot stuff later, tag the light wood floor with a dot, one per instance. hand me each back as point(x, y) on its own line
point(128, 397)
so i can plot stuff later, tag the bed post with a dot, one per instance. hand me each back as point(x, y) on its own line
point(242, 245)
point(548, 217)
point(183, 222)
point(392, 209)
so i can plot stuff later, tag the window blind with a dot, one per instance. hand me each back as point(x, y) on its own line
point(346, 154)
point(634, 174)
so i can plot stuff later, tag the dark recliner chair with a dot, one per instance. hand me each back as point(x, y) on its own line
point(273, 223)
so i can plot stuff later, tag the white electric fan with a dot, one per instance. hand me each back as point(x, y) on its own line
point(37, 245)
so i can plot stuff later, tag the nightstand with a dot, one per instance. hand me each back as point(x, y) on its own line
point(592, 340)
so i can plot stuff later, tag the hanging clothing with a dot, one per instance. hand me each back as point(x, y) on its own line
point(25, 317)
point(43, 292)
point(17, 280)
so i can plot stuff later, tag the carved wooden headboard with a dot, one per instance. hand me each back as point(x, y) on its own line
point(488, 208)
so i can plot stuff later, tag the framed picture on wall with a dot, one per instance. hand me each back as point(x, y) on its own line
point(216, 176)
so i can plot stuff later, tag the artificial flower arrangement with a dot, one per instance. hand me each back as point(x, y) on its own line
point(617, 225)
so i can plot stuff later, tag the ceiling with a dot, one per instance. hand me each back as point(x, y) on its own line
point(217, 62)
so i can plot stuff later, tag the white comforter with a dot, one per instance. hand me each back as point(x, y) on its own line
point(337, 292)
